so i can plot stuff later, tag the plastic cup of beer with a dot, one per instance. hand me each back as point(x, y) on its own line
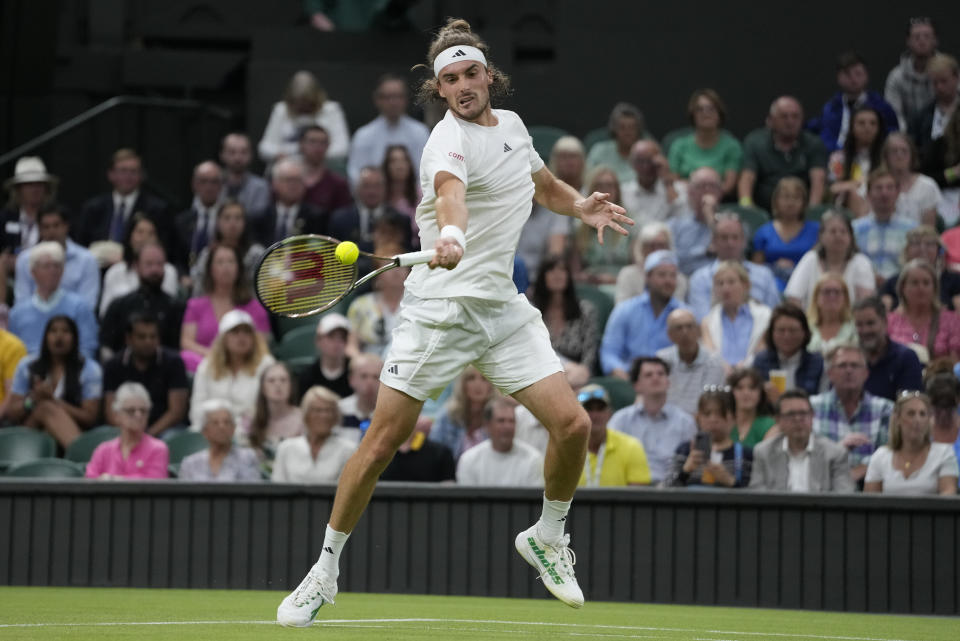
point(779, 379)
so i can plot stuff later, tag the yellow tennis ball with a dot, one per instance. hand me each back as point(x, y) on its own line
point(347, 252)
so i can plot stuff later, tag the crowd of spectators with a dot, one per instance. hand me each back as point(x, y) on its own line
point(783, 308)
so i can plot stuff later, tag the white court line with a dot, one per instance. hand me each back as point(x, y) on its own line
point(333, 622)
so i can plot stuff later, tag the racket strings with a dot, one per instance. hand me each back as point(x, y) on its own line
point(303, 276)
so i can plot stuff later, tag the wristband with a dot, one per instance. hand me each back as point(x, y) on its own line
point(454, 232)
point(746, 201)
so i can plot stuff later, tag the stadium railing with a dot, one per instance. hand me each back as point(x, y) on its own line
point(819, 552)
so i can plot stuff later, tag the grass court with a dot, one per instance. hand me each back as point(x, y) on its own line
point(102, 614)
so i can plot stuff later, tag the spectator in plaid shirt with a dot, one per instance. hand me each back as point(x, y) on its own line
point(847, 413)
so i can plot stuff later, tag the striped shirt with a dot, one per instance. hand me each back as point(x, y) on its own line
point(872, 417)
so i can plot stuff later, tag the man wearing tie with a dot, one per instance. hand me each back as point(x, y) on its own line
point(356, 222)
point(105, 217)
point(289, 215)
point(195, 226)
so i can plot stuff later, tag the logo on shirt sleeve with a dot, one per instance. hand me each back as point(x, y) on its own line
point(455, 156)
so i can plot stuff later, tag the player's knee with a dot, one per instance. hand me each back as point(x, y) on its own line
point(575, 429)
point(378, 452)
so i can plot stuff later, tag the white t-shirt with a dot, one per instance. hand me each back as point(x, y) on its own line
point(923, 195)
point(483, 465)
point(294, 464)
point(859, 273)
point(495, 165)
point(530, 430)
point(941, 461)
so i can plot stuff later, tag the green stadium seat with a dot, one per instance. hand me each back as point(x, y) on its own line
point(671, 136)
point(20, 444)
point(544, 137)
point(47, 468)
point(601, 300)
point(621, 392)
point(594, 136)
point(184, 444)
point(295, 343)
point(298, 364)
point(81, 450)
point(753, 217)
point(285, 325)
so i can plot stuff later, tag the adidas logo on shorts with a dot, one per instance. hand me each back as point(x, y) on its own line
point(393, 369)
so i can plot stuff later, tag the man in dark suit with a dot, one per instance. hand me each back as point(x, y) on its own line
point(105, 217)
point(928, 124)
point(289, 215)
point(195, 226)
point(357, 222)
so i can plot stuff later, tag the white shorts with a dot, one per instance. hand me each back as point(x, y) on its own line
point(436, 338)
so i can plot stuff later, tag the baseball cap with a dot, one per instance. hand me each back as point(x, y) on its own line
point(593, 392)
point(331, 322)
point(234, 318)
point(658, 258)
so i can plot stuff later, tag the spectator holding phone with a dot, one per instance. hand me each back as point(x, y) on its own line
point(713, 459)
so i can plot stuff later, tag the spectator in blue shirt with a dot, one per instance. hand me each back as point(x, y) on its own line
point(729, 244)
point(638, 325)
point(59, 390)
point(691, 229)
point(29, 316)
point(893, 367)
point(81, 271)
point(852, 77)
point(882, 234)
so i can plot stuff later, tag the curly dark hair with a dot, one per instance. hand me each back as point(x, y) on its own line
point(72, 362)
point(876, 147)
point(541, 295)
point(458, 32)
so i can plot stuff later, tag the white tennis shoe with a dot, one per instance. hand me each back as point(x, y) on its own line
point(300, 607)
point(555, 564)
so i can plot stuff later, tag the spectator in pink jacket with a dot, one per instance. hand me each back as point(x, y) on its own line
point(134, 454)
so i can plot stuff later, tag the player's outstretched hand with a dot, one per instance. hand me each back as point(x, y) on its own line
point(449, 253)
point(599, 213)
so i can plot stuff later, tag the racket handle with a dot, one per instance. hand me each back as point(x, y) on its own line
point(415, 258)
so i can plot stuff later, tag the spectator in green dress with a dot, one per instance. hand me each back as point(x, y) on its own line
point(707, 145)
point(754, 414)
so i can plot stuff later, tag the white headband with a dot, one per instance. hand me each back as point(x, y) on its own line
point(457, 53)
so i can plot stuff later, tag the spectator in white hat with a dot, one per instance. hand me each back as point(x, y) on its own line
point(232, 369)
point(638, 326)
point(331, 368)
point(30, 188)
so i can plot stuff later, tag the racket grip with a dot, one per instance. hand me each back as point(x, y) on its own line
point(415, 258)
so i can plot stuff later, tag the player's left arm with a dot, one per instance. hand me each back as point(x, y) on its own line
point(594, 210)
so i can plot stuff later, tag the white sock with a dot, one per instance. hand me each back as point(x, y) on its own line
point(329, 560)
point(552, 519)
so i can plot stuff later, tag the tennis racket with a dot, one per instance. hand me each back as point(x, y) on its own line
point(301, 275)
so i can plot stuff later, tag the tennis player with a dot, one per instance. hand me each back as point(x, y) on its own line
point(478, 174)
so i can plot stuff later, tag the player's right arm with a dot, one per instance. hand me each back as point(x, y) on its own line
point(451, 207)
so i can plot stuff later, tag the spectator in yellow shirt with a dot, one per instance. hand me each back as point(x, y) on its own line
point(613, 458)
point(12, 350)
